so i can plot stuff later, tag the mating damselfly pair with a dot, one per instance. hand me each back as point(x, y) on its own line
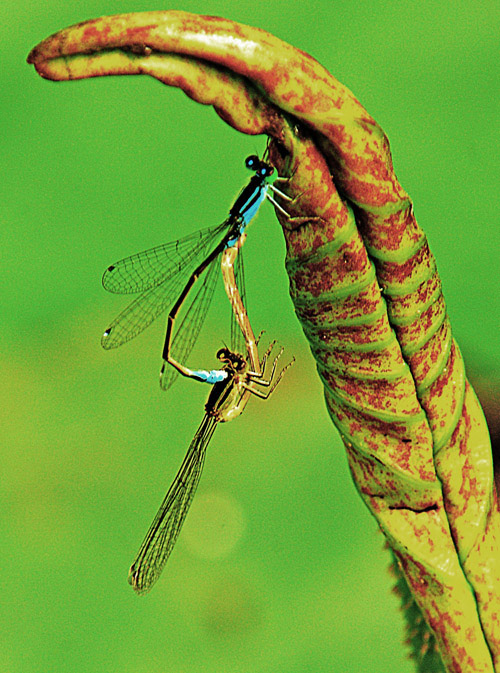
point(165, 277)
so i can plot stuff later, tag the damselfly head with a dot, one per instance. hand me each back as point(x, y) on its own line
point(262, 168)
point(236, 360)
point(265, 170)
point(239, 362)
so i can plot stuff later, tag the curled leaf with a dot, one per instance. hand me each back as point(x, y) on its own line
point(366, 290)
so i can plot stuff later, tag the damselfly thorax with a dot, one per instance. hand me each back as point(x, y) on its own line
point(228, 398)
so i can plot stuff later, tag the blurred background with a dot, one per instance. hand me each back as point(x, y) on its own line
point(279, 566)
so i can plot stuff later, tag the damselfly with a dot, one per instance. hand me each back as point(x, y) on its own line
point(226, 401)
point(165, 275)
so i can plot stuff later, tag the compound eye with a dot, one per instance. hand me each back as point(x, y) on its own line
point(266, 170)
point(252, 162)
point(222, 354)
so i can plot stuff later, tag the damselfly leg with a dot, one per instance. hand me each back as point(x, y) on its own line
point(271, 382)
point(275, 190)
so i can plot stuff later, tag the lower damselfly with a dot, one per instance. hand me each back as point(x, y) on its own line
point(227, 399)
point(164, 276)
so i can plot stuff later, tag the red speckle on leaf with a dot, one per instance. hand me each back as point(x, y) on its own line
point(444, 378)
point(95, 35)
point(394, 273)
point(139, 33)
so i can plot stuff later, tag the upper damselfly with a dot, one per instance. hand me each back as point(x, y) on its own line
point(165, 275)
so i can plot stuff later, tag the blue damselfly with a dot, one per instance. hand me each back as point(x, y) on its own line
point(165, 275)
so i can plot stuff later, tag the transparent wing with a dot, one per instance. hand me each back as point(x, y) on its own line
point(152, 267)
point(154, 301)
point(192, 322)
point(144, 310)
point(162, 535)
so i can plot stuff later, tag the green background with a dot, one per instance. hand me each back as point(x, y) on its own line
point(279, 566)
